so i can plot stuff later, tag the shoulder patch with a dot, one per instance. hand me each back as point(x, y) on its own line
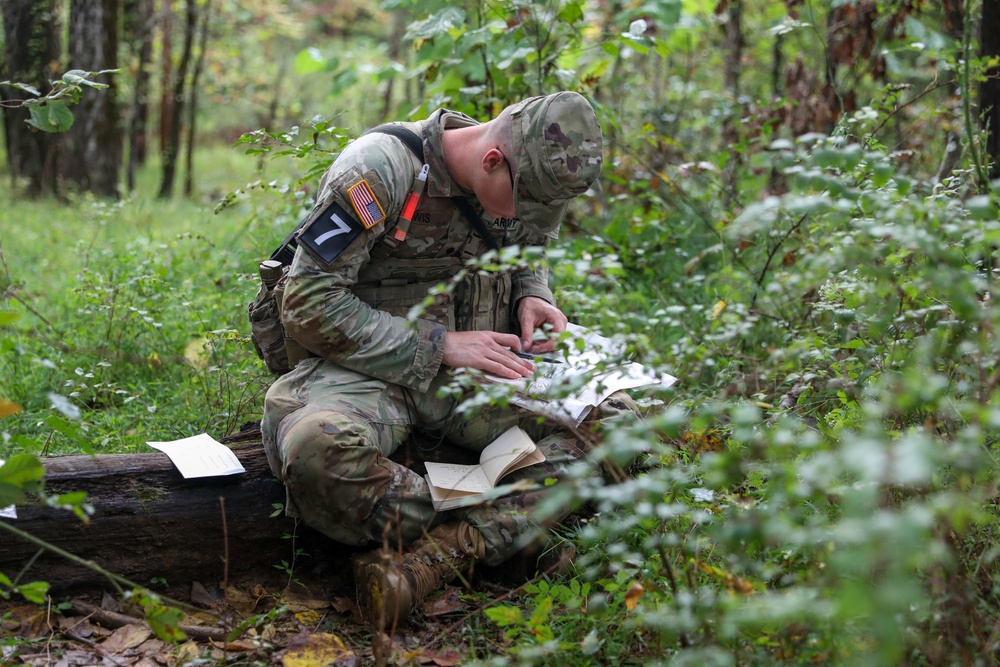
point(330, 233)
point(365, 204)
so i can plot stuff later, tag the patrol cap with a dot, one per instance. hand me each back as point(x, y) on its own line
point(559, 153)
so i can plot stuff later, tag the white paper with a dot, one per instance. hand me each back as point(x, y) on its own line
point(470, 479)
point(9, 512)
point(573, 409)
point(200, 456)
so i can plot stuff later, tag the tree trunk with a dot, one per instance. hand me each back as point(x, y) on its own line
point(150, 522)
point(989, 89)
point(140, 99)
point(166, 73)
point(192, 104)
point(734, 46)
point(31, 44)
point(94, 144)
point(177, 100)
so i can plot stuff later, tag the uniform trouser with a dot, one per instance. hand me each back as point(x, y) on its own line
point(328, 432)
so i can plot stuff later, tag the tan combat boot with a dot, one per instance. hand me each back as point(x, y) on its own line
point(390, 585)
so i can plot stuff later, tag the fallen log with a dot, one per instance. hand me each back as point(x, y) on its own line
point(150, 522)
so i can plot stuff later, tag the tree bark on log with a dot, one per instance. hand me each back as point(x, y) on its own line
point(149, 522)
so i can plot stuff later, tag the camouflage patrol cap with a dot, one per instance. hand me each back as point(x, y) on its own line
point(559, 152)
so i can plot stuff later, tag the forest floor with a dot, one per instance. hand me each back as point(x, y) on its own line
point(265, 620)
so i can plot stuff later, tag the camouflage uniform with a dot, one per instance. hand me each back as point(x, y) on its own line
point(330, 424)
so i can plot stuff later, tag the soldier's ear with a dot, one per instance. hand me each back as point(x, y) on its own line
point(492, 160)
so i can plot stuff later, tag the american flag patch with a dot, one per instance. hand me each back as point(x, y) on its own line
point(364, 202)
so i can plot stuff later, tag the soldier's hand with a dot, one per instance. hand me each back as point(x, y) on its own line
point(487, 351)
point(534, 313)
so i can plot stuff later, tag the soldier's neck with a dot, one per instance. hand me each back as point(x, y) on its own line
point(461, 157)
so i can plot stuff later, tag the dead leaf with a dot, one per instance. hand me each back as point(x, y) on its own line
point(309, 617)
point(446, 603)
point(8, 408)
point(635, 591)
point(78, 625)
point(238, 645)
point(152, 646)
point(344, 605)
point(183, 654)
point(30, 621)
point(732, 582)
point(242, 602)
point(201, 595)
point(446, 658)
point(109, 603)
point(320, 649)
point(296, 602)
point(126, 637)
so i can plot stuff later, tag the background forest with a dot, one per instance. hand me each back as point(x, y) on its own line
point(797, 218)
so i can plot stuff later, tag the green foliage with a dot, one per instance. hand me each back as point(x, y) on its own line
point(819, 487)
point(50, 112)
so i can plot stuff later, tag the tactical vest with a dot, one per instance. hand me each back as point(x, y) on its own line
point(401, 275)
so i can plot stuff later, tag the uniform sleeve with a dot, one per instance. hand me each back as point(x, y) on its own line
point(319, 309)
point(532, 281)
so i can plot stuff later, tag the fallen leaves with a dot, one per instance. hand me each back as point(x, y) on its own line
point(319, 649)
point(126, 637)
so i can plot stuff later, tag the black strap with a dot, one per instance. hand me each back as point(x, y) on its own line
point(285, 252)
point(416, 146)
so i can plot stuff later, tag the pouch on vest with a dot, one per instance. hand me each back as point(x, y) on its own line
point(266, 331)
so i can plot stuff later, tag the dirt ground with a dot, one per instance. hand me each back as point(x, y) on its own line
point(306, 620)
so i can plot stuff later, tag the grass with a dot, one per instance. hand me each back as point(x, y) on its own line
point(134, 310)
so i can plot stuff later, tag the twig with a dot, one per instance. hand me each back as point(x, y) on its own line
point(931, 87)
point(100, 650)
point(111, 619)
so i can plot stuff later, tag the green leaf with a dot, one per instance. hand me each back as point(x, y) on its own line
point(505, 616)
point(36, 591)
point(981, 208)
point(311, 60)
point(7, 317)
point(571, 12)
point(52, 117)
point(436, 24)
point(22, 472)
point(164, 621)
point(26, 88)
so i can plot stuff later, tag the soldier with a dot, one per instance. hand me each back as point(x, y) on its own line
point(390, 225)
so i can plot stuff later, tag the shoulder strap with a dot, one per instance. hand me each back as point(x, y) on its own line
point(285, 253)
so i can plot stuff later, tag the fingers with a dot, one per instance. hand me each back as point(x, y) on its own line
point(487, 351)
point(540, 315)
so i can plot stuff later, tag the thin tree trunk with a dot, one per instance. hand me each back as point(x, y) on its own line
point(166, 74)
point(778, 66)
point(30, 44)
point(395, 50)
point(734, 47)
point(272, 108)
point(192, 105)
point(140, 100)
point(94, 144)
point(989, 89)
point(180, 75)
